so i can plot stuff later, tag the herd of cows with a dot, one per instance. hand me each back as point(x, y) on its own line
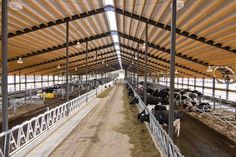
point(158, 103)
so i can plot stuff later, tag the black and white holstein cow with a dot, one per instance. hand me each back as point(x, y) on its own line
point(158, 105)
point(191, 100)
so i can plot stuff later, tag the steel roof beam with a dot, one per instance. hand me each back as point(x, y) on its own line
point(83, 67)
point(163, 49)
point(130, 59)
point(78, 60)
point(56, 22)
point(73, 65)
point(95, 67)
point(164, 60)
point(61, 46)
point(124, 13)
point(64, 57)
point(178, 31)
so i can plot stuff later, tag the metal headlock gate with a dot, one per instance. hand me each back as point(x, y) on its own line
point(222, 118)
point(22, 135)
point(165, 143)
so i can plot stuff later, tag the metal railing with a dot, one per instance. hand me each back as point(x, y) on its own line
point(21, 135)
point(165, 143)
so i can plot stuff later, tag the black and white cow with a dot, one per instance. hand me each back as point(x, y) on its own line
point(191, 100)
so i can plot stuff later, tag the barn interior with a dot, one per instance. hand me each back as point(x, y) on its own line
point(56, 54)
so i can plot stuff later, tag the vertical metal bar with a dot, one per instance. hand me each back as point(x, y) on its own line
point(177, 82)
point(145, 77)
point(137, 66)
point(5, 75)
point(67, 61)
point(203, 85)
point(182, 82)
point(213, 89)
point(172, 69)
point(19, 80)
point(96, 73)
point(34, 82)
point(86, 70)
point(53, 79)
point(188, 82)
point(14, 82)
point(25, 86)
point(41, 80)
point(48, 80)
point(227, 90)
point(125, 74)
point(194, 83)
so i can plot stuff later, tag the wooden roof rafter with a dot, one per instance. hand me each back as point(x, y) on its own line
point(71, 69)
point(164, 60)
point(80, 64)
point(56, 22)
point(163, 49)
point(61, 46)
point(154, 64)
point(64, 57)
point(178, 31)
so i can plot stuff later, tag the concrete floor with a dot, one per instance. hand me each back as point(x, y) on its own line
point(95, 135)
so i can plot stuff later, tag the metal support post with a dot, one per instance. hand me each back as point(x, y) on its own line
point(137, 66)
point(172, 69)
point(182, 82)
point(227, 90)
point(19, 80)
point(213, 89)
point(145, 77)
point(194, 83)
point(188, 82)
point(96, 73)
point(203, 85)
point(34, 82)
point(41, 80)
point(48, 80)
point(67, 61)
point(25, 86)
point(5, 76)
point(177, 82)
point(14, 82)
point(53, 79)
point(87, 70)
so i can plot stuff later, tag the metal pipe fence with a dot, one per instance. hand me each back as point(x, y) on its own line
point(22, 135)
point(220, 116)
point(165, 143)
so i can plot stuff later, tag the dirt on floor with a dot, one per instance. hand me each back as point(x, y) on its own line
point(95, 136)
point(223, 128)
point(137, 132)
point(105, 93)
point(198, 140)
